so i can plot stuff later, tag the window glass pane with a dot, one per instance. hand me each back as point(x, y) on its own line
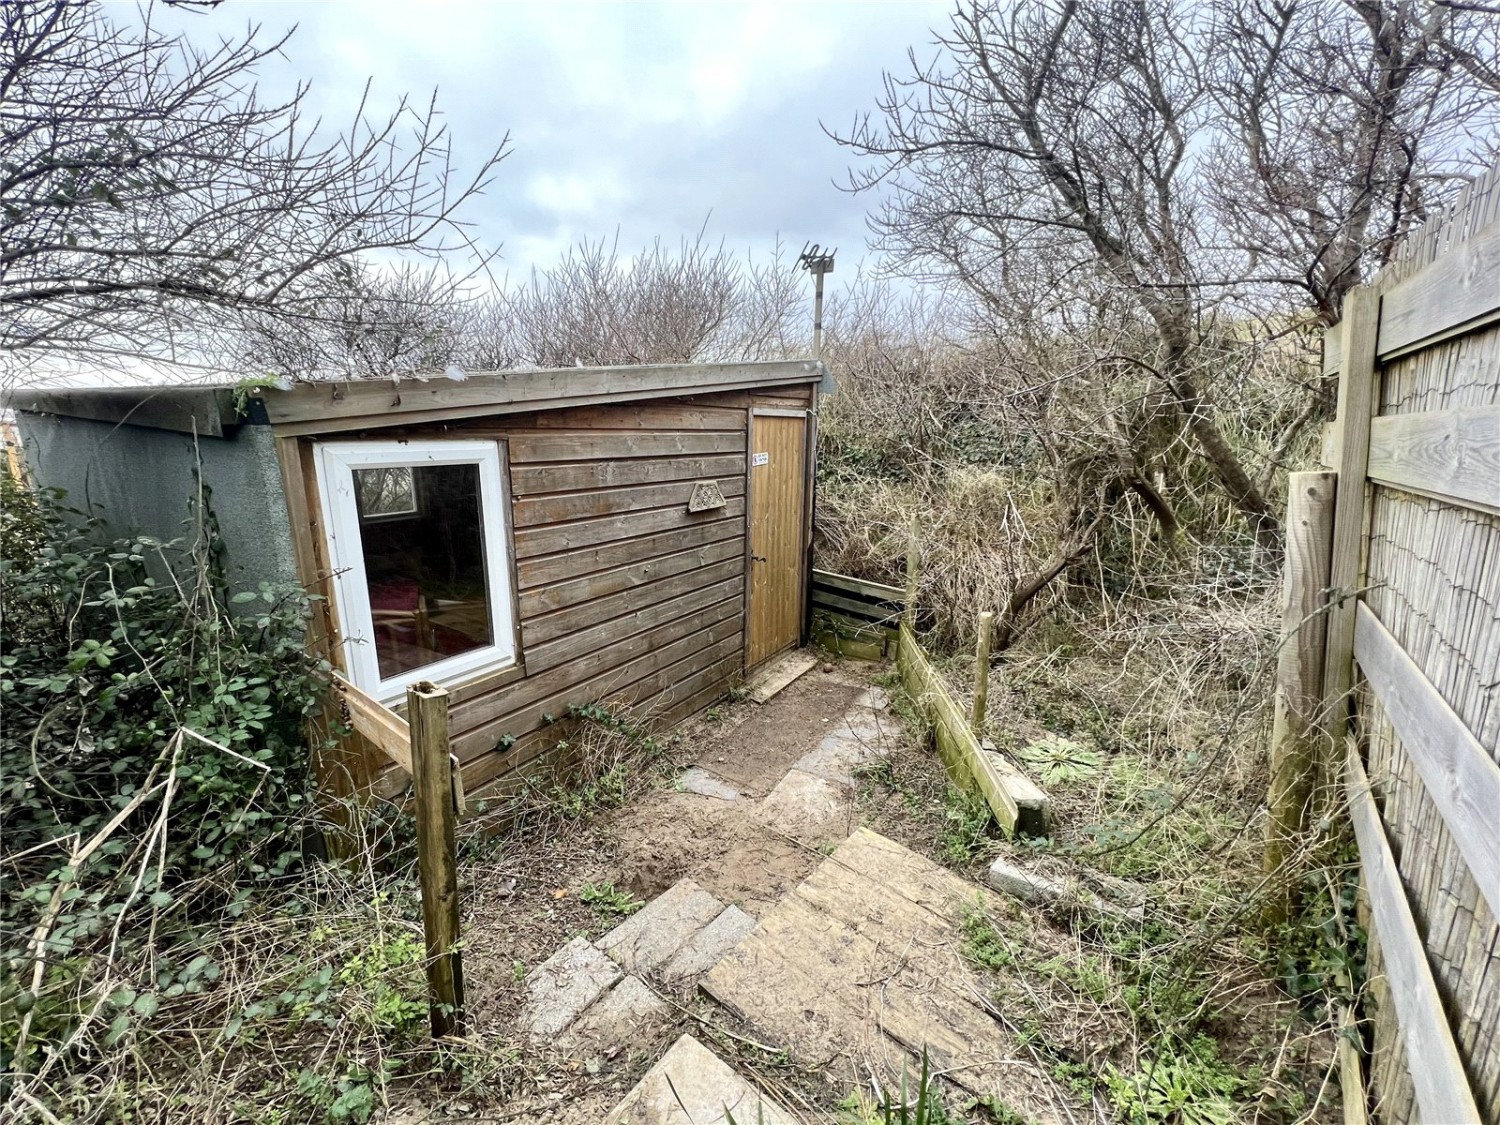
point(423, 546)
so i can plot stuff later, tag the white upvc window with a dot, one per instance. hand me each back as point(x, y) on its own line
point(417, 538)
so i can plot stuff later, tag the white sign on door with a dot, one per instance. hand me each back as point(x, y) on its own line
point(760, 459)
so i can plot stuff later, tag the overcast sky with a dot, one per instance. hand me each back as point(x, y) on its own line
point(644, 118)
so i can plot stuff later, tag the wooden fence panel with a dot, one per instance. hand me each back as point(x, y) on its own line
point(1416, 632)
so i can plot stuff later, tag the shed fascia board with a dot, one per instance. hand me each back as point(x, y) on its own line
point(205, 411)
point(307, 406)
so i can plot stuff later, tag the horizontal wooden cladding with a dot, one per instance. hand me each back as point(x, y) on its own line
point(1460, 777)
point(535, 511)
point(1437, 1071)
point(538, 631)
point(1450, 454)
point(559, 595)
point(645, 612)
point(377, 402)
point(1458, 291)
point(592, 445)
point(575, 564)
point(532, 480)
point(654, 702)
point(706, 646)
point(533, 541)
point(662, 416)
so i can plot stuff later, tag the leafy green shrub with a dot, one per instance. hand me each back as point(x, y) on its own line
point(153, 755)
point(1186, 1084)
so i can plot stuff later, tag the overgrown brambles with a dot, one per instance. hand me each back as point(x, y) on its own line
point(155, 769)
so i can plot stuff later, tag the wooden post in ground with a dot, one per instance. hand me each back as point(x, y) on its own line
point(1359, 379)
point(1298, 731)
point(437, 863)
point(913, 572)
point(982, 667)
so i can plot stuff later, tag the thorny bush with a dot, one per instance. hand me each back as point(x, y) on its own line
point(136, 687)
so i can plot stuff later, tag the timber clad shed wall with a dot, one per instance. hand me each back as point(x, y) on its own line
point(621, 594)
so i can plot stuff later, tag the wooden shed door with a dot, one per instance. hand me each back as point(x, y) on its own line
point(778, 489)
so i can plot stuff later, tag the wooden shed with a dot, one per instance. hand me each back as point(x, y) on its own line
point(528, 540)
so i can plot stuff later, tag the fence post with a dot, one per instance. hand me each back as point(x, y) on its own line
point(982, 667)
point(913, 572)
point(437, 863)
point(1297, 731)
point(1358, 378)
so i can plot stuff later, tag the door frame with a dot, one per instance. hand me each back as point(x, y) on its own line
point(807, 415)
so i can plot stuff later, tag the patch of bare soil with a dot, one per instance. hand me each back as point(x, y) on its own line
point(754, 751)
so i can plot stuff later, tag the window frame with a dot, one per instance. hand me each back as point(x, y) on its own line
point(336, 462)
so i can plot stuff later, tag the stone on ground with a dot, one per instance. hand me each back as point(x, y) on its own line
point(693, 1086)
point(624, 1015)
point(809, 809)
point(659, 929)
point(708, 945)
point(857, 740)
point(700, 781)
point(561, 987)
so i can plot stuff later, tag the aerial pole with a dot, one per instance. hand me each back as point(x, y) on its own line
point(816, 262)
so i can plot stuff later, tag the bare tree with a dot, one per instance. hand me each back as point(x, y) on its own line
point(1066, 131)
point(1344, 126)
point(152, 200)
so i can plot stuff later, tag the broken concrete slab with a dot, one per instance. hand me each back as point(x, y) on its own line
point(857, 740)
point(620, 1017)
point(704, 950)
point(874, 698)
point(561, 987)
point(808, 808)
point(1065, 894)
point(659, 929)
point(789, 668)
point(693, 1086)
point(700, 781)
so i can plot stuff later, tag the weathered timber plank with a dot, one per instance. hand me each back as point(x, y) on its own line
point(597, 445)
point(653, 416)
point(957, 745)
point(538, 510)
point(1333, 351)
point(1432, 1060)
point(383, 727)
point(575, 564)
point(693, 652)
point(533, 541)
point(1453, 454)
point(1459, 290)
point(539, 630)
point(858, 586)
point(849, 607)
point(558, 679)
point(584, 640)
point(502, 391)
point(560, 595)
point(530, 480)
point(1460, 777)
point(1328, 446)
